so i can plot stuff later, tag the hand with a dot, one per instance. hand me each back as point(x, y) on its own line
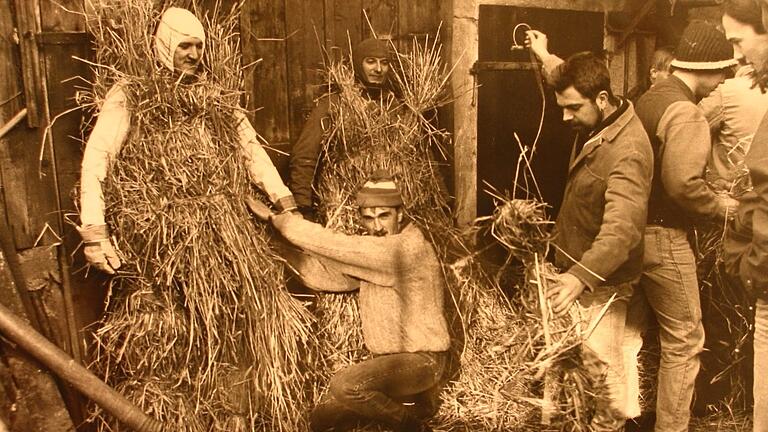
point(102, 256)
point(98, 249)
point(537, 42)
point(258, 208)
point(729, 208)
point(563, 291)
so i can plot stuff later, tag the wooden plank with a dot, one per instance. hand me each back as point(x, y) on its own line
point(28, 26)
point(382, 18)
point(263, 36)
point(346, 20)
point(578, 5)
point(304, 58)
point(463, 53)
point(417, 19)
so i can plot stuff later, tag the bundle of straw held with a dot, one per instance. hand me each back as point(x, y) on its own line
point(542, 363)
point(199, 331)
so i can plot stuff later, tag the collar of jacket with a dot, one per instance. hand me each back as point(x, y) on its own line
point(608, 133)
point(677, 82)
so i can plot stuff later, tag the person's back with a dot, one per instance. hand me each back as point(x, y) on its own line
point(733, 111)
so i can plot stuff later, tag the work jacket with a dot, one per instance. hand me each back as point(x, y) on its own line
point(746, 244)
point(601, 222)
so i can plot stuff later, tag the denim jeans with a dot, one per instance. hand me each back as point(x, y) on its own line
point(760, 388)
point(670, 287)
point(603, 354)
point(375, 389)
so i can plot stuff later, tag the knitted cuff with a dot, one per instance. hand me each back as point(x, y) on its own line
point(286, 203)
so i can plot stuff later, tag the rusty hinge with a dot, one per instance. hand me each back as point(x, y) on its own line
point(490, 66)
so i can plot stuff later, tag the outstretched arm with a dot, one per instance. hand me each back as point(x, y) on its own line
point(262, 170)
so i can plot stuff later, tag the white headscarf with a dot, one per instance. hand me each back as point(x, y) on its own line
point(176, 24)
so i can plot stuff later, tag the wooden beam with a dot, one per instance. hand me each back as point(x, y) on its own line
point(28, 27)
point(464, 52)
point(644, 10)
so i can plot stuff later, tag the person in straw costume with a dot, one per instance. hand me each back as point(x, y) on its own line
point(398, 275)
point(371, 63)
point(198, 331)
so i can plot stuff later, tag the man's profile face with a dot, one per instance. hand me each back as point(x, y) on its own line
point(375, 69)
point(708, 81)
point(581, 113)
point(381, 221)
point(187, 56)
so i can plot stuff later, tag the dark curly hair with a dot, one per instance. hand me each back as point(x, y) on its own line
point(586, 73)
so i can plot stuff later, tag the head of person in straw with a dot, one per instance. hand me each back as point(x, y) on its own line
point(381, 205)
point(371, 60)
point(180, 41)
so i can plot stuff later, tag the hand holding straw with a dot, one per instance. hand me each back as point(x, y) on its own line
point(564, 292)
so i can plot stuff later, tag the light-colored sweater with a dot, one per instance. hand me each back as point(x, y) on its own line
point(400, 280)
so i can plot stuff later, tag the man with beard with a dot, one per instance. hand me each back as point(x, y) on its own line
point(600, 224)
point(680, 137)
point(746, 244)
point(371, 59)
point(401, 289)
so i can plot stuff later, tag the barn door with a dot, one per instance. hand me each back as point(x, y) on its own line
point(509, 98)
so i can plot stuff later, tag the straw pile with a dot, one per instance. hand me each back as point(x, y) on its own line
point(369, 132)
point(199, 331)
point(535, 379)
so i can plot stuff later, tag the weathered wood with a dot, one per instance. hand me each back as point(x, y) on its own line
point(463, 53)
point(418, 19)
point(37, 390)
point(28, 26)
point(305, 25)
point(344, 23)
point(263, 36)
point(382, 18)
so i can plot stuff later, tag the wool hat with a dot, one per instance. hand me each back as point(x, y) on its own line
point(369, 48)
point(176, 24)
point(703, 47)
point(380, 190)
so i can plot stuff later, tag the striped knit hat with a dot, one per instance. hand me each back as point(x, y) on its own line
point(703, 47)
point(379, 191)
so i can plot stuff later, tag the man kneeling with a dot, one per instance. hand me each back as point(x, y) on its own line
point(401, 308)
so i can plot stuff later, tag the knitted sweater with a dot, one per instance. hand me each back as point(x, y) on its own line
point(399, 277)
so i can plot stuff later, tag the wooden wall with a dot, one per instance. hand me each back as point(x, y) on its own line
point(290, 36)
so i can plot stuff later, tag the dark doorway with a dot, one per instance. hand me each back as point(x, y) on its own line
point(510, 100)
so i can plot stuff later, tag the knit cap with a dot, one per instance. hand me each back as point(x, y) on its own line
point(176, 24)
point(703, 47)
point(379, 191)
point(368, 48)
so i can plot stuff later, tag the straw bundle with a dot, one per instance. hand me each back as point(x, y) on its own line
point(199, 330)
point(389, 132)
point(728, 321)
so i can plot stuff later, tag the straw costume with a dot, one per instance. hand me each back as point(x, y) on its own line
point(366, 130)
point(199, 330)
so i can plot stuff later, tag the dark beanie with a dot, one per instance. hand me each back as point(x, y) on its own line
point(368, 48)
point(379, 191)
point(703, 47)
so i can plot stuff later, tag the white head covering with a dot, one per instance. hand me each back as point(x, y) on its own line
point(176, 24)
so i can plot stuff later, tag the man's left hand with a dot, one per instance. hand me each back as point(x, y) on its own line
point(563, 291)
point(258, 208)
